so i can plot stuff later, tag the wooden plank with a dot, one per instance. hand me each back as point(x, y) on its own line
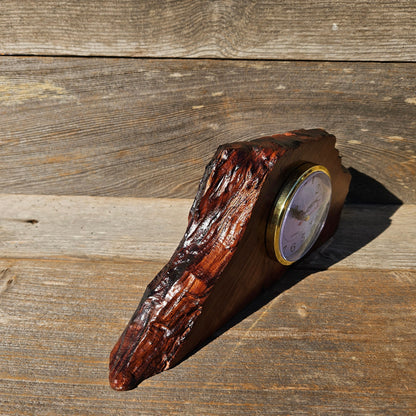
point(91, 227)
point(142, 128)
point(324, 30)
point(129, 229)
point(335, 343)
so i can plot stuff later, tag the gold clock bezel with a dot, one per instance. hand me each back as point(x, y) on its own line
point(287, 192)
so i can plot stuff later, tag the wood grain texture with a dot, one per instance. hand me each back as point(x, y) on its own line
point(129, 229)
point(91, 227)
point(324, 30)
point(141, 128)
point(221, 263)
point(336, 343)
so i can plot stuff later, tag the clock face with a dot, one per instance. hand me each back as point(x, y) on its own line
point(300, 213)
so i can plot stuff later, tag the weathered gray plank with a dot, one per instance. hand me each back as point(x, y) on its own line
point(336, 343)
point(325, 30)
point(145, 128)
point(370, 236)
point(91, 227)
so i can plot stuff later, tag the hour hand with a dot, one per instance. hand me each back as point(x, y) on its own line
point(298, 214)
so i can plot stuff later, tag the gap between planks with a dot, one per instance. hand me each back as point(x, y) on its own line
point(149, 229)
point(260, 29)
point(202, 59)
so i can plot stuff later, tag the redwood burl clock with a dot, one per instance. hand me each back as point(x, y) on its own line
point(261, 206)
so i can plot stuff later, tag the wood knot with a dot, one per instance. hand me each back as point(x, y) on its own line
point(6, 279)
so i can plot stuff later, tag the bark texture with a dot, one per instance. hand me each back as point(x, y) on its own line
point(225, 233)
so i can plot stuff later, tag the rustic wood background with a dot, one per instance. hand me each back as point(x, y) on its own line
point(109, 112)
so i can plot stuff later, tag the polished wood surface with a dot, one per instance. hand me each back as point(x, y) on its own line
point(221, 264)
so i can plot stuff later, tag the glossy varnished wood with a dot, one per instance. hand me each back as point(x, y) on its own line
point(221, 264)
point(324, 30)
point(141, 128)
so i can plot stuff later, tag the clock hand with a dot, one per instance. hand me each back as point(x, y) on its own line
point(298, 214)
point(311, 206)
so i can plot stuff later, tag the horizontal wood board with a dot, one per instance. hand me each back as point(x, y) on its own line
point(336, 343)
point(314, 30)
point(72, 271)
point(336, 336)
point(129, 229)
point(147, 128)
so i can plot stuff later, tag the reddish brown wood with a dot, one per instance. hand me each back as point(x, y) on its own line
point(221, 263)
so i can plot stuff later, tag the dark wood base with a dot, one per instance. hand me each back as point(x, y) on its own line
point(222, 263)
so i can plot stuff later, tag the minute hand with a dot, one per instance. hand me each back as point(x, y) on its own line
point(311, 207)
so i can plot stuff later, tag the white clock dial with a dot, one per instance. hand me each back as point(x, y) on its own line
point(300, 213)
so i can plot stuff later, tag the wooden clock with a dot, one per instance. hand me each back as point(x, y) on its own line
point(261, 206)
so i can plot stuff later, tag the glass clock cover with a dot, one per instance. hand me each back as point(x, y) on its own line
point(300, 213)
